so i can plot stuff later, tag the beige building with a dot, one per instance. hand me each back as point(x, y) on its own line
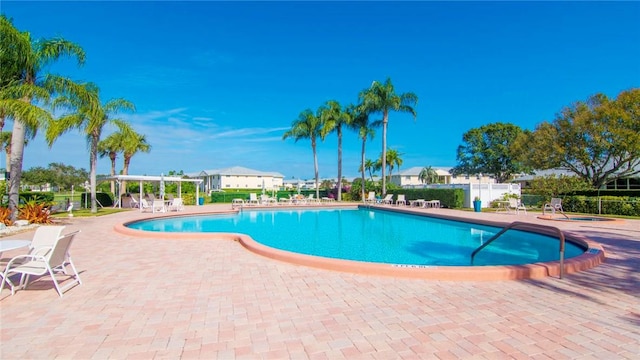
point(237, 177)
point(411, 177)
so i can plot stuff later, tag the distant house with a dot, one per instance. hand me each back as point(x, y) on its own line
point(237, 177)
point(411, 177)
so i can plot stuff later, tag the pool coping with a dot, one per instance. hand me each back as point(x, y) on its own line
point(593, 256)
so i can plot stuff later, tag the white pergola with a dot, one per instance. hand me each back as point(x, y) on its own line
point(150, 178)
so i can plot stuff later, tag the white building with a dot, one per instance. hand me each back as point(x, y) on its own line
point(411, 177)
point(237, 177)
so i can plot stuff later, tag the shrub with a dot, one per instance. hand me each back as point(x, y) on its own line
point(5, 215)
point(35, 213)
point(103, 199)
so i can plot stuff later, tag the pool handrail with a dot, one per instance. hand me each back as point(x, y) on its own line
point(525, 224)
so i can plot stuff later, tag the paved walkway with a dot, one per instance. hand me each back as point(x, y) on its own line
point(169, 299)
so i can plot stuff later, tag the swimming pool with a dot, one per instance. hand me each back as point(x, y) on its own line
point(370, 235)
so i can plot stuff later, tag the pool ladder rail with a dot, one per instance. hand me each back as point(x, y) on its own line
point(530, 226)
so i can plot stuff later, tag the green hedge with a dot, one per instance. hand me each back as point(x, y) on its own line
point(105, 199)
point(227, 197)
point(450, 198)
point(609, 205)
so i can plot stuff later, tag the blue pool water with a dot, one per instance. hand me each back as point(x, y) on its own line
point(373, 236)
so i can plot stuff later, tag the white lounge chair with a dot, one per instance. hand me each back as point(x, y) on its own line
point(371, 198)
point(45, 260)
point(311, 200)
point(388, 199)
point(401, 200)
point(144, 205)
point(134, 203)
point(267, 200)
point(554, 205)
point(158, 206)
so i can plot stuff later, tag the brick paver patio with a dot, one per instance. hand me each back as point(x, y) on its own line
point(145, 298)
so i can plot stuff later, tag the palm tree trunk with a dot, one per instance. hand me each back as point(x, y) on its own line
point(385, 120)
point(339, 130)
point(93, 164)
point(364, 141)
point(125, 171)
point(315, 166)
point(112, 157)
point(15, 164)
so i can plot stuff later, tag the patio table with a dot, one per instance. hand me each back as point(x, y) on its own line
point(8, 245)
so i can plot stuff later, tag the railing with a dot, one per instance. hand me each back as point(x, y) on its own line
point(531, 226)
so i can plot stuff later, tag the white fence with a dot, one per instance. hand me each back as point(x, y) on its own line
point(486, 192)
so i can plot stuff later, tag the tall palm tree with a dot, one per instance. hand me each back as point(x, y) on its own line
point(428, 175)
point(307, 126)
point(393, 158)
point(111, 146)
point(5, 142)
point(88, 115)
point(26, 61)
point(360, 123)
point(133, 144)
point(333, 118)
point(383, 98)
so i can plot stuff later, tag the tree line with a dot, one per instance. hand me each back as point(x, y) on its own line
point(29, 95)
point(598, 140)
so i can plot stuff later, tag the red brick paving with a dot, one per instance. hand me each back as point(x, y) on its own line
point(168, 299)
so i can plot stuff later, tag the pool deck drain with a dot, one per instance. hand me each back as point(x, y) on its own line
point(145, 298)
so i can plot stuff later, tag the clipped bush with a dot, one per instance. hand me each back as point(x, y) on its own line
point(5, 216)
point(37, 196)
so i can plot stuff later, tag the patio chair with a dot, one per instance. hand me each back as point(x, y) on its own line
point(388, 199)
point(371, 198)
point(517, 205)
point(158, 206)
point(311, 200)
point(134, 203)
point(45, 260)
point(253, 199)
point(144, 205)
point(176, 205)
point(401, 200)
point(553, 206)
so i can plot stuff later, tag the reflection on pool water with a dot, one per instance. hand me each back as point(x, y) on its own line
point(373, 236)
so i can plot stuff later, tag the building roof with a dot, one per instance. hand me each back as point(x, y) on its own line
point(235, 170)
point(415, 171)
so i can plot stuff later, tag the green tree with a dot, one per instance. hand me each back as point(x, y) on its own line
point(308, 126)
point(428, 175)
point(598, 140)
point(24, 62)
point(490, 149)
point(552, 186)
point(333, 118)
point(360, 123)
point(87, 114)
point(393, 159)
point(133, 144)
point(111, 146)
point(382, 98)
point(372, 166)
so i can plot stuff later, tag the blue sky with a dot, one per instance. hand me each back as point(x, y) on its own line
point(216, 84)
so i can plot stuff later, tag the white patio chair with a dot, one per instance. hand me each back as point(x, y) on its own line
point(134, 203)
point(517, 205)
point(371, 198)
point(158, 206)
point(253, 199)
point(554, 205)
point(45, 260)
point(388, 199)
point(401, 200)
point(176, 205)
point(144, 205)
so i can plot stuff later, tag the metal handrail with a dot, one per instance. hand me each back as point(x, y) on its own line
point(525, 224)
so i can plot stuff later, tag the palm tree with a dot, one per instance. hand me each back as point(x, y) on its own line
point(25, 61)
point(307, 126)
point(333, 119)
point(360, 123)
point(428, 175)
point(372, 166)
point(90, 116)
point(393, 159)
point(133, 144)
point(5, 142)
point(111, 146)
point(383, 98)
